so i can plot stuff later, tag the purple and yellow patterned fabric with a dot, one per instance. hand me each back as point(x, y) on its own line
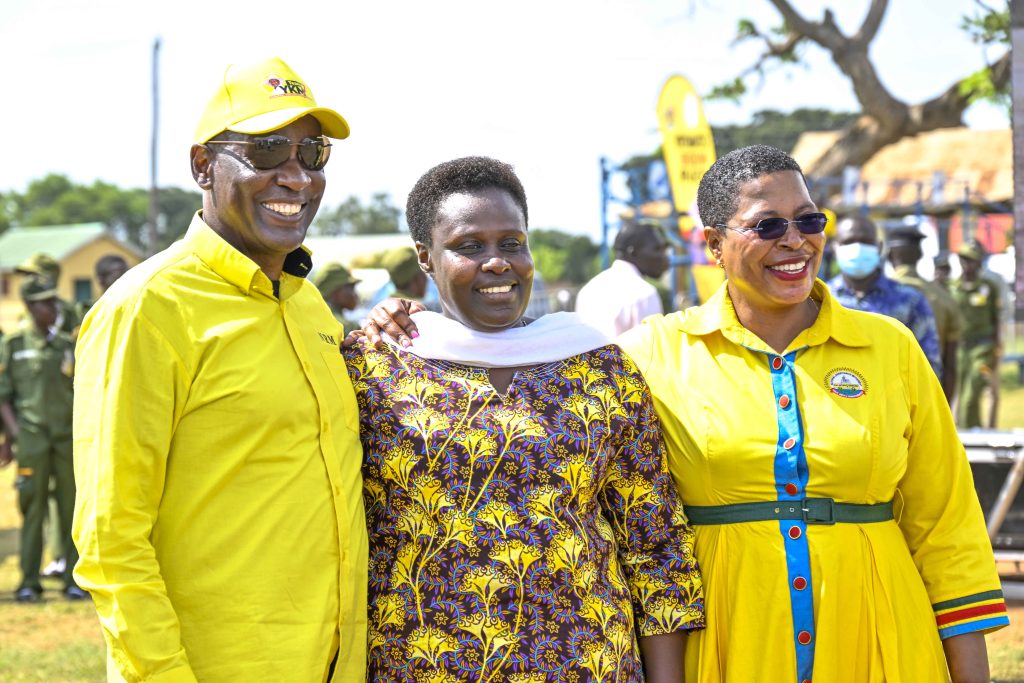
point(529, 536)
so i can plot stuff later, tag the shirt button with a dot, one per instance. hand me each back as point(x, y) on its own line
point(791, 489)
point(804, 637)
point(795, 532)
point(325, 426)
point(789, 443)
point(799, 583)
point(777, 363)
point(784, 402)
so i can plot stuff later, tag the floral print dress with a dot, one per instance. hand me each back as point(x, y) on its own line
point(529, 536)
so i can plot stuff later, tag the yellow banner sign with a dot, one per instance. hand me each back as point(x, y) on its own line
point(687, 144)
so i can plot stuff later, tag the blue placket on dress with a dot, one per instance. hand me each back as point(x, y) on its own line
point(791, 485)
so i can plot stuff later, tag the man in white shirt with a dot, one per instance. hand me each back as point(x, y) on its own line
point(618, 298)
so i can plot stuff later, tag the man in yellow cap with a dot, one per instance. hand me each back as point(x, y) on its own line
point(220, 515)
point(46, 268)
point(36, 375)
point(338, 288)
point(981, 303)
point(404, 270)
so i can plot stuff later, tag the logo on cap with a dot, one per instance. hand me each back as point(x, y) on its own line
point(846, 382)
point(283, 87)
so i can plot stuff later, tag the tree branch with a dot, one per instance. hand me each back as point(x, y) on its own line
point(871, 22)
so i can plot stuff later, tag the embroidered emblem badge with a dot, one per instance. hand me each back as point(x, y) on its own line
point(846, 382)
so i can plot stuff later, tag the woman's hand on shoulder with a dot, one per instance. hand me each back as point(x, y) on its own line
point(391, 316)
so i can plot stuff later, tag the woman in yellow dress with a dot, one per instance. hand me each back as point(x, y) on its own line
point(838, 530)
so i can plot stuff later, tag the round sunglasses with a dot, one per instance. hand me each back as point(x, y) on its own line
point(271, 151)
point(774, 228)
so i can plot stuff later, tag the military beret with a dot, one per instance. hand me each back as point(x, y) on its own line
point(904, 234)
point(40, 264)
point(330, 276)
point(401, 264)
point(38, 289)
point(970, 250)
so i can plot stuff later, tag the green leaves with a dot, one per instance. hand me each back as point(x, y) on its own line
point(990, 27)
point(731, 91)
point(379, 216)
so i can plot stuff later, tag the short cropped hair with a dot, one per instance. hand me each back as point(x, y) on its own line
point(719, 189)
point(637, 233)
point(108, 262)
point(467, 174)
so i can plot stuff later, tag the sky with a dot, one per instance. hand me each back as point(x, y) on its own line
point(549, 86)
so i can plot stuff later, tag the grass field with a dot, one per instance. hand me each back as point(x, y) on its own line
point(58, 641)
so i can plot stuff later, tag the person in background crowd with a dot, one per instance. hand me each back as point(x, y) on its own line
point(981, 302)
point(44, 267)
point(338, 287)
point(904, 251)
point(36, 375)
point(521, 513)
point(108, 269)
point(618, 298)
point(862, 285)
point(220, 516)
point(942, 275)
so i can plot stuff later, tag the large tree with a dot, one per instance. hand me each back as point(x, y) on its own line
point(885, 118)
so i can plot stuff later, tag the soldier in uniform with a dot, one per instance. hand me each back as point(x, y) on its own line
point(981, 302)
point(44, 267)
point(36, 374)
point(904, 251)
point(943, 271)
point(338, 287)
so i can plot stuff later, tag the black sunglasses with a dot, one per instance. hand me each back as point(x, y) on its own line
point(273, 150)
point(774, 228)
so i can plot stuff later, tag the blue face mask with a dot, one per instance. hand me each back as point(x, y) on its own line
point(857, 259)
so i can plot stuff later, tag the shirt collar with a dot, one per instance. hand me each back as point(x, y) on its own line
point(718, 315)
point(239, 269)
point(625, 267)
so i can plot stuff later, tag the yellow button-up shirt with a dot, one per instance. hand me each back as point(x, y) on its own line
point(219, 514)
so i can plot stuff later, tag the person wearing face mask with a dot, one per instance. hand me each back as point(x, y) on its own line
point(862, 285)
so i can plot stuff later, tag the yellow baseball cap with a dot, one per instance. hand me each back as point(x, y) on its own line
point(262, 97)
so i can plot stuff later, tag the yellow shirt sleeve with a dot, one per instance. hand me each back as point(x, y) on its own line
point(941, 518)
point(128, 393)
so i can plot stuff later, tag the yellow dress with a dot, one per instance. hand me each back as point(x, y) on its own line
point(852, 412)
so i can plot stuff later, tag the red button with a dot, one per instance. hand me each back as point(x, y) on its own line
point(794, 532)
point(784, 401)
point(799, 583)
point(777, 363)
point(789, 443)
point(791, 488)
point(803, 637)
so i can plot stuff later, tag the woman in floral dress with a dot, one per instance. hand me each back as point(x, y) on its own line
point(523, 523)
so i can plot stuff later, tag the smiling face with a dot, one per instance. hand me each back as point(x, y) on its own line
point(262, 213)
point(480, 260)
point(769, 274)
